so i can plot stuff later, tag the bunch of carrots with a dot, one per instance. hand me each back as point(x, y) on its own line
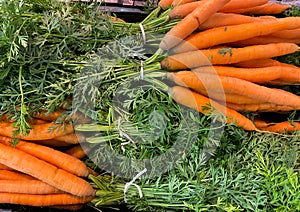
point(221, 54)
point(35, 173)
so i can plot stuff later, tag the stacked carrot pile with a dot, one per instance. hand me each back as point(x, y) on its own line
point(223, 53)
point(34, 173)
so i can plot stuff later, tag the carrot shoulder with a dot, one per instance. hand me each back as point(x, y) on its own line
point(55, 157)
point(204, 105)
point(191, 22)
point(44, 171)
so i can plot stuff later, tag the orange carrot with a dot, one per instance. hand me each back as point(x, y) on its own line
point(35, 121)
point(185, 9)
point(238, 4)
point(41, 200)
point(219, 56)
point(202, 104)
point(191, 22)
point(287, 34)
point(50, 155)
point(259, 123)
point(227, 19)
point(265, 9)
point(14, 175)
point(44, 171)
point(261, 40)
point(229, 34)
point(3, 167)
point(258, 75)
point(165, 3)
point(228, 97)
point(180, 2)
point(38, 132)
point(198, 81)
point(262, 107)
point(71, 138)
point(79, 150)
point(49, 115)
point(259, 63)
point(51, 143)
point(27, 187)
point(282, 127)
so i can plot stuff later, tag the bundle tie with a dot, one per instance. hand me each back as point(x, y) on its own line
point(143, 32)
point(128, 184)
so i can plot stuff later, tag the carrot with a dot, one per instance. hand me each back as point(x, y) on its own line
point(238, 4)
point(258, 75)
point(41, 200)
point(191, 22)
point(38, 132)
point(259, 63)
point(27, 187)
point(202, 104)
point(229, 34)
point(265, 9)
point(198, 81)
point(71, 138)
point(79, 150)
point(281, 83)
point(13, 175)
point(262, 107)
point(50, 155)
point(36, 121)
point(261, 40)
point(164, 4)
point(227, 19)
point(221, 56)
point(228, 97)
point(287, 34)
point(180, 2)
point(3, 167)
point(49, 115)
point(259, 123)
point(282, 127)
point(183, 10)
point(51, 143)
point(44, 171)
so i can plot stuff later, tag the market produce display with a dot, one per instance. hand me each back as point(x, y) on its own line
point(194, 108)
